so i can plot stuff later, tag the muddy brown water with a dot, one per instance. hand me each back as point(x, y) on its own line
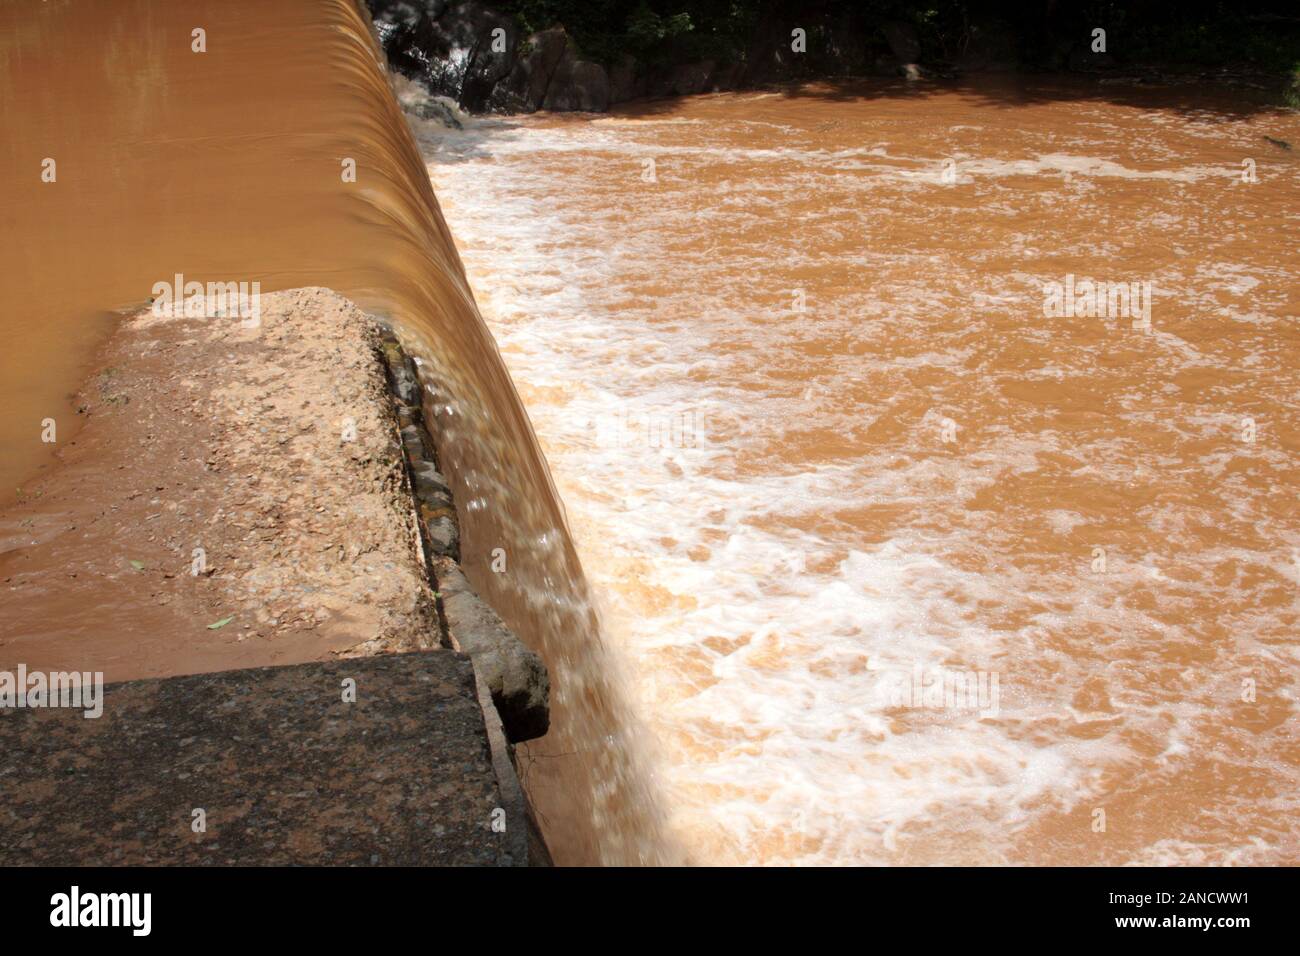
point(227, 166)
point(789, 362)
point(825, 442)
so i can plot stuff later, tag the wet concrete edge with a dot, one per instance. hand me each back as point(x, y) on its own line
point(490, 645)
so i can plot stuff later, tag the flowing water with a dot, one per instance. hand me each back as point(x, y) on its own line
point(788, 359)
point(227, 164)
point(822, 446)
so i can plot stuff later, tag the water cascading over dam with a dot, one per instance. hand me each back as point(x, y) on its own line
point(211, 140)
point(824, 435)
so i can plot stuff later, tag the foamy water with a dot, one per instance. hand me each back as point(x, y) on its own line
point(788, 361)
point(190, 167)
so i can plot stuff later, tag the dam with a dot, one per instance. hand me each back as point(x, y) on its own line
point(170, 161)
point(774, 420)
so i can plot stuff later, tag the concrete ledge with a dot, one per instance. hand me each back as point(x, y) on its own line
point(285, 770)
point(515, 675)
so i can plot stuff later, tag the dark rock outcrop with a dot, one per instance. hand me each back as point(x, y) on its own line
point(690, 78)
point(835, 41)
point(524, 89)
point(461, 51)
point(1083, 60)
point(770, 57)
point(626, 80)
point(473, 55)
point(578, 85)
point(470, 53)
point(686, 79)
point(905, 45)
point(903, 41)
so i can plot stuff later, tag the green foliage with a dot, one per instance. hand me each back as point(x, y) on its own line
point(1263, 34)
point(648, 29)
point(645, 28)
point(1291, 95)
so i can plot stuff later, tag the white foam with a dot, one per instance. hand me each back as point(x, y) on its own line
point(757, 627)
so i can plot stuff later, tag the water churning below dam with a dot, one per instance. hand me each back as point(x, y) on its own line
point(887, 473)
point(932, 452)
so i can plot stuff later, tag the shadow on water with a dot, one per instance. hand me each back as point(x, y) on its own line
point(1205, 99)
point(1209, 98)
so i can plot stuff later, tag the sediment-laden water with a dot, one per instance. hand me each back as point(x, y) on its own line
point(901, 556)
point(216, 141)
point(829, 435)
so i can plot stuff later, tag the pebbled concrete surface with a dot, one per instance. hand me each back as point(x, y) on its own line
point(286, 771)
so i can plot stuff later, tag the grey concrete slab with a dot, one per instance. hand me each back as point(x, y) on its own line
point(283, 769)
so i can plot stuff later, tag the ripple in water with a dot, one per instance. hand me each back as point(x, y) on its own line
point(821, 448)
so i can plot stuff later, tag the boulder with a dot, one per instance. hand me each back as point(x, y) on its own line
point(578, 85)
point(626, 81)
point(401, 37)
point(513, 674)
point(401, 373)
point(429, 485)
point(769, 57)
point(837, 42)
point(884, 65)
point(449, 48)
point(491, 58)
point(524, 89)
point(727, 77)
point(438, 110)
point(689, 78)
point(442, 533)
point(903, 41)
point(840, 46)
point(413, 443)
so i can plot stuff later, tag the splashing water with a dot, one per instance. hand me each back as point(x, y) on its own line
point(789, 361)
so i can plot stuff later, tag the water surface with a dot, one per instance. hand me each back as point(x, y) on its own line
point(788, 358)
point(227, 165)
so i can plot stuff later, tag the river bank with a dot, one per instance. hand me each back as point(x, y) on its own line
point(511, 57)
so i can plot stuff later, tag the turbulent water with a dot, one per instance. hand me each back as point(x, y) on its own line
point(227, 164)
point(825, 440)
